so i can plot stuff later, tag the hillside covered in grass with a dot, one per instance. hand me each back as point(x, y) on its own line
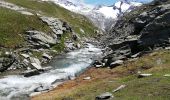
point(135, 65)
point(50, 9)
point(14, 24)
point(36, 28)
point(155, 87)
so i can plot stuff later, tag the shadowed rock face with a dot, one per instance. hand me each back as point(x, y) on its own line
point(6, 62)
point(148, 28)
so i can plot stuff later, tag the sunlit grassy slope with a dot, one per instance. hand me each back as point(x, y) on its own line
point(13, 24)
point(155, 87)
point(77, 21)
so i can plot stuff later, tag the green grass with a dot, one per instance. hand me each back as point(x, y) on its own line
point(76, 21)
point(155, 87)
point(60, 47)
point(13, 26)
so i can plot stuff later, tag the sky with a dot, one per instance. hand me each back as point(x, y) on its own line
point(96, 2)
point(108, 2)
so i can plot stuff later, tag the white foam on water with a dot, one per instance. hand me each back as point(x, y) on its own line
point(16, 85)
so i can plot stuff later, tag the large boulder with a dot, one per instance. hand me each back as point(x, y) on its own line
point(156, 32)
point(6, 62)
point(40, 39)
point(105, 96)
point(36, 64)
point(57, 26)
point(144, 29)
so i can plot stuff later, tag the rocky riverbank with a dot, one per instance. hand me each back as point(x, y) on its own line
point(122, 83)
point(136, 49)
point(136, 33)
point(39, 47)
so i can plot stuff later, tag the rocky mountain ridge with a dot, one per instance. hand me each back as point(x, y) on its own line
point(100, 15)
point(140, 31)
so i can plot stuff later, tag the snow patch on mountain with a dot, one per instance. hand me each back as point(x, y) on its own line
point(101, 14)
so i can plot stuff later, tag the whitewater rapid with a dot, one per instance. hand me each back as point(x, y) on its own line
point(18, 87)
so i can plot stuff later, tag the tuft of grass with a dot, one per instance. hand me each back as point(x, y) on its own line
point(61, 46)
point(76, 21)
point(155, 87)
point(13, 25)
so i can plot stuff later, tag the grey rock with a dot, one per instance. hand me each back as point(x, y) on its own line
point(34, 72)
point(78, 46)
point(25, 55)
point(25, 62)
point(105, 96)
point(167, 75)
point(55, 24)
point(156, 32)
point(42, 88)
point(167, 48)
point(36, 64)
point(41, 39)
point(116, 63)
point(75, 37)
point(87, 78)
point(98, 66)
point(8, 61)
point(144, 75)
point(30, 73)
point(119, 88)
point(70, 46)
point(136, 55)
point(1, 59)
point(46, 56)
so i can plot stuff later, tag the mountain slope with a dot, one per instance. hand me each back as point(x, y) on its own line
point(50, 9)
point(33, 29)
point(100, 15)
point(13, 25)
point(137, 53)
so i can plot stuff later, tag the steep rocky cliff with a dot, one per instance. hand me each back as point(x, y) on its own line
point(143, 29)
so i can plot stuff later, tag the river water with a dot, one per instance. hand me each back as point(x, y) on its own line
point(18, 87)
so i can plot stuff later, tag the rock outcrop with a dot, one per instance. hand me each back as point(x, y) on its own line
point(6, 61)
point(144, 29)
point(40, 39)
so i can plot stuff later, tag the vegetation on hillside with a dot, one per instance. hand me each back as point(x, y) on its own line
point(13, 26)
point(155, 87)
point(50, 9)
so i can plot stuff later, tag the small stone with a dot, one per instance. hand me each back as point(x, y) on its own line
point(25, 55)
point(105, 96)
point(116, 63)
point(144, 75)
point(119, 88)
point(35, 65)
point(167, 75)
point(42, 88)
point(98, 66)
point(136, 55)
point(167, 48)
point(47, 56)
point(87, 78)
point(30, 73)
